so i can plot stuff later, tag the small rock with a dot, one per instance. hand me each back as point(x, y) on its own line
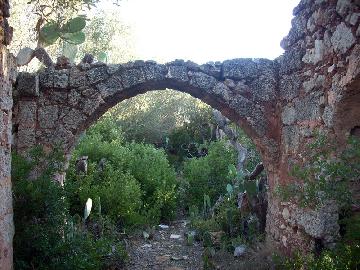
point(239, 251)
point(286, 213)
point(146, 235)
point(331, 68)
point(175, 236)
point(162, 259)
point(163, 226)
point(24, 56)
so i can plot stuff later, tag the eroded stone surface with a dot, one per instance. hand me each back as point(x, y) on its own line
point(7, 79)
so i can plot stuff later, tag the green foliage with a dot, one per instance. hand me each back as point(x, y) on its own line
point(344, 257)
point(327, 174)
point(120, 193)
point(207, 175)
point(74, 25)
point(47, 237)
point(71, 31)
point(136, 186)
point(186, 140)
point(151, 117)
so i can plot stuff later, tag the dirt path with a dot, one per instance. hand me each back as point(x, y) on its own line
point(166, 250)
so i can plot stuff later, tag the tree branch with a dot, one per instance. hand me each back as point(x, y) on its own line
point(255, 173)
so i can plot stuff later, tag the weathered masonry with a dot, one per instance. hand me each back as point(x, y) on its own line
point(7, 78)
point(314, 85)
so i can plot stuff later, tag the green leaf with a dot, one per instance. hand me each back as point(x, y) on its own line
point(74, 25)
point(49, 33)
point(74, 38)
point(229, 188)
point(102, 57)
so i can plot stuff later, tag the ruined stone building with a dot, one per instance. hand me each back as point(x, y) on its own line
point(314, 85)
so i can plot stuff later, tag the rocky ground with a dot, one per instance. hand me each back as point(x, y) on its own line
point(166, 249)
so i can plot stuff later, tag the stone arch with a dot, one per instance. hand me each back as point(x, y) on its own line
point(313, 85)
point(57, 105)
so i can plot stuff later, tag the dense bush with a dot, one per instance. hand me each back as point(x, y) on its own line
point(47, 237)
point(136, 180)
point(185, 141)
point(208, 175)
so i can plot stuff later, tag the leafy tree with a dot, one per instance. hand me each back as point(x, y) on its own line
point(152, 116)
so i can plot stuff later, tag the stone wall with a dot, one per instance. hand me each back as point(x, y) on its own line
point(7, 77)
point(314, 85)
point(319, 90)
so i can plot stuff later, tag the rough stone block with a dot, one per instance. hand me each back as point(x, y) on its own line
point(25, 138)
point(110, 87)
point(288, 115)
point(74, 97)
point(290, 137)
point(315, 55)
point(342, 7)
point(73, 119)
point(202, 81)
point(61, 78)
point(46, 78)
point(132, 77)
point(238, 69)
point(290, 86)
point(291, 60)
point(77, 78)
point(48, 115)
point(154, 72)
point(27, 114)
point(342, 39)
point(178, 73)
point(222, 90)
point(314, 83)
point(263, 87)
point(211, 69)
point(308, 108)
point(28, 84)
point(328, 116)
point(97, 74)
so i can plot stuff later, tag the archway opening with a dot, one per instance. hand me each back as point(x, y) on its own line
point(173, 158)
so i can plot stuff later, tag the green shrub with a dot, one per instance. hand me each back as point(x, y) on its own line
point(45, 236)
point(208, 175)
point(137, 179)
point(119, 193)
point(185, 141)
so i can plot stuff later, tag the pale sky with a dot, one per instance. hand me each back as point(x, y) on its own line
point(207, 30)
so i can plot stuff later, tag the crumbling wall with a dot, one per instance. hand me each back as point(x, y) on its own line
point(319, 90)
point(7, 76)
